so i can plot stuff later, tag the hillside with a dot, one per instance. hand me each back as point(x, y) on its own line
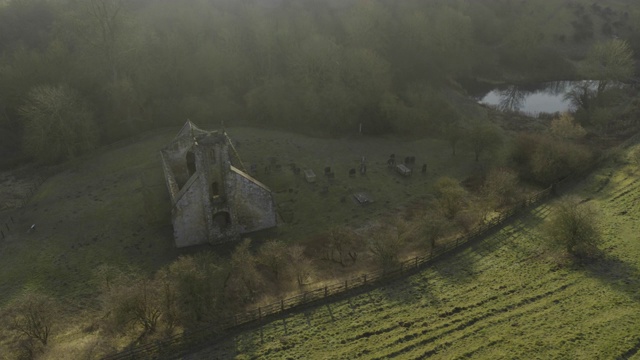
point(112, 206)
point(507, 297)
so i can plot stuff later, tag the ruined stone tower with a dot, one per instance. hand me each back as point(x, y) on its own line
point(212, 200)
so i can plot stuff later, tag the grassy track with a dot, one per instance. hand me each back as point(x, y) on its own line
point(506, 297)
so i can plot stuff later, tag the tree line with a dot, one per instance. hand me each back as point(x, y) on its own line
point(81, 73)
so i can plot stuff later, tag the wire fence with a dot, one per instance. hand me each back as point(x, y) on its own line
point(182, 344)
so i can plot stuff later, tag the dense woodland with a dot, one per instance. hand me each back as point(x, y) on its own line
point(111, 69)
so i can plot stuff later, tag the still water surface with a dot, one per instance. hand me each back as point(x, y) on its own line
point(533, 99)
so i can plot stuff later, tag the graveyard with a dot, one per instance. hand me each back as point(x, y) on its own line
point(335, 196)
point(116, 207)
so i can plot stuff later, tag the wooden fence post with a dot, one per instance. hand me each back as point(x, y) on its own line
point(326, 291)
point(401, 268)
point(346, 285)
point(416, 261)
point(259, 314)
point(282, 305)
point(364, 277)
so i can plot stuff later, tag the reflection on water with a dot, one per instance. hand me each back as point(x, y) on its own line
point(536, 98)
point(533, 99)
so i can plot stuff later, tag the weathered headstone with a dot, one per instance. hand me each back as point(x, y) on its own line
point(310, 176)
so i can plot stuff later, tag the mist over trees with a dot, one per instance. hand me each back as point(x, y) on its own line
point(313, 66)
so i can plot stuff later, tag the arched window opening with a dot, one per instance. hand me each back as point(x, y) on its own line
point(215, 189)
point(222, 220)
point(191, 163)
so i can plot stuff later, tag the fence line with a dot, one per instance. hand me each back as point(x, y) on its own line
point(181, 344)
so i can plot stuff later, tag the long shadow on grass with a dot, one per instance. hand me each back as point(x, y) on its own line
point(464, 266)
point(620, 276)
point(616, 274)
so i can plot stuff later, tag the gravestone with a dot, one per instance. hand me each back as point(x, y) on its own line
point(310, 176)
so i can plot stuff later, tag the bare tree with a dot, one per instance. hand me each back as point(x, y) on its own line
point(273, 255)
point(454, 133)
point(345, 243)
point(434, 226)
point(33, 315)
point(300, 265)
point(385, 245)
point(483, 138)
point(57, 124)
point(608, 61)
point(134, 299)
point(245, 279)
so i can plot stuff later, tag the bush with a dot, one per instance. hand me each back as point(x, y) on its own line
point(574, 228)
point(565, 127)
point(546, 160)
point(450, 196)
point(500, 186)
point(192, 290)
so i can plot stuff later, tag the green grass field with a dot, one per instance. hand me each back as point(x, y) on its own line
point(507, 297)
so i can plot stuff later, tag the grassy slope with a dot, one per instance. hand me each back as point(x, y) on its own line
point(503, 298)
point(96, 211)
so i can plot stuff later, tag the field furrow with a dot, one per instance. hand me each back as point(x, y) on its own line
point(504, 297)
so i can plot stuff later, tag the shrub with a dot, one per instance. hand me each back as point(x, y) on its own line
point(565, 127)
point(500, 186)
point(450, 196)
point(574, 228)
point(545, 159)
point(192, 290)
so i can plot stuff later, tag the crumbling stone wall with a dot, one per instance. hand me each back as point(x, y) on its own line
point(212, 201)
point(253, 202)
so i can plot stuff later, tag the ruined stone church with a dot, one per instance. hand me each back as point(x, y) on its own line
point(212, 200)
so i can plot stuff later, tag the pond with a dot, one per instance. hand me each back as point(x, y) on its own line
point(532, 99)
